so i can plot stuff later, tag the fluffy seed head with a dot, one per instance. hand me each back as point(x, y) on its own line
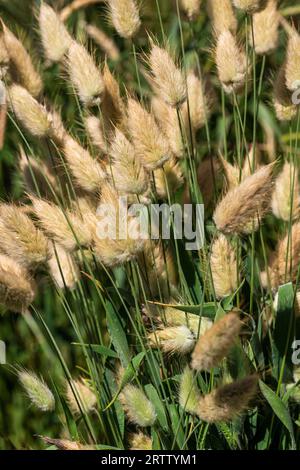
point(125, 17)
point(65, 227)
point(37, 176)
point(189, 395)
point(168, 80)
point(216, 343)
point(200, 101)
point(222, 16)
point(107, 45)
point(85, 76)
point(64, 444)
point(37, 391)
point(139, 441)
point(191, 8)
point(198, 325)
point(231, 62)
point(4, 57)
point(227, 402)
point(223, 266)
point(113, 108)
point(32, 115)
point(266, 29)
point(285, 199)
point(95, 132)
point(239, 209)
point(167, 118)
point(21, 65)
point(63, 268)
point(88, 173)
point(138, 408)
point(292, 66)
point(80, 397)
point(129, 177)
point(250, 6)
point(168, 179)
point(55, 37)
point(17, 289)
point(20, 238)
point(150, 145)
point(178, 339)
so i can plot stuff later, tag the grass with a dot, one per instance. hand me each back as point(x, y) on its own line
point(99, 329)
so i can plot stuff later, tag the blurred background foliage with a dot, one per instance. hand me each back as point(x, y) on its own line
point(26, 346)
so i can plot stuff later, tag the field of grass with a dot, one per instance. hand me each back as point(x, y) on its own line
point(143, 344)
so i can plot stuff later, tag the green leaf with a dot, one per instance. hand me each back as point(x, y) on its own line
point(117, 334)
point(158, 405)
point(102, 350)
point(279, 408)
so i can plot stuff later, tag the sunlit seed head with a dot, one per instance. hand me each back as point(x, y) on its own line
point(223, 266)
point(138, 408)
point(80, 397)
point(125, 17)
point(55, 37)
point(37, 391)
point(222, 16)
point(178, 339)
point(250, 6)
point(265, 29)
point(140, 441)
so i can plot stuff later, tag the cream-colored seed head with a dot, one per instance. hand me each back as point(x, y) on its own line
point(286, 197)
point(222, 16)
point(95, 132)
point(231, 63)
point(168, 79)
point(227, 402)
point(244, 206)
point(191, 8)
point(168, 179)
point(282, 100)
point(140, 441)
point(113, 108)
point(223, 266)
point(17, 289)
point(85, 76)
point(37, 176)
point(198, 325)
point(138, 408)
point(216, 343)
point(200, 102)
point(65, 444)
point(55, 37)
point(63, 268)
point(128, 176)
point(167, 118)
point(4, 57)
point(266, 29)
point(149, 142)
point(80, 397)
point(65, 227)
point(119, 236)
point(37, 391)
point(20, 238)
point(32, 115)
point(189, 395)
point(107, 45)
point(125, 17)
point(250, 6)
point(292, 66)
point(88, 173)
point(178, 339)
point(22, 68)
point(284, 113)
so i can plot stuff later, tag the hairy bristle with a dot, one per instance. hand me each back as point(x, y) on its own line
point(55, 37)
point(125, 17)
point(140, 441)
point(222, 16)
point(223, 264)
point(80, 397)
point(37, 391)
point(265, 29)
point(137, 406)
point(178, 339)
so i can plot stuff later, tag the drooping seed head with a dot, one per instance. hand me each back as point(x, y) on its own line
point(189, 395)
point(242, 207)
point(125, 17)
point(227, 402)
point(85, 76)
point(21, 239)
point(137, 406)
point(168, 79)
point(31, 114)
point(265, 29)
point(21, 68)
point(80, 397)
point(231, 63)
point(178, 339)
point(222, 16)
point(17, 289)
point(216, 343)
point(223, 266)
point(55, 37)
point(37, 391)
